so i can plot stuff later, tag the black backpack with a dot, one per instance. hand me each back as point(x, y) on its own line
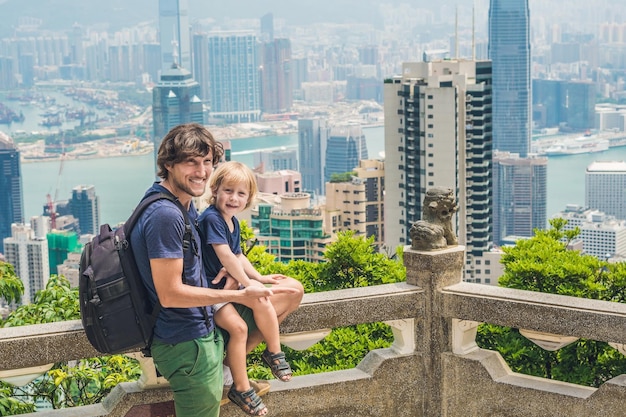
point(114, 307)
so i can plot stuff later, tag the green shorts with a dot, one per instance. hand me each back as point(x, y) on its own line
point(194, 371)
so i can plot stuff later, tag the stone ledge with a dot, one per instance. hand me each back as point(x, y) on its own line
point(550, 313)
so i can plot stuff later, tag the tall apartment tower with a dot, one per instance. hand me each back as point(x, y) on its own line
point(605, 187)
point(174, 33)
point(276, 82)
point(85, 206)
point(234, 77)
point(346, 147)
point(312, 144)
point(358, 203)
point(519, 195)
point(175, 100)
point(509, 51)
point(28, 253)
point(11, 199)
point(438, 134)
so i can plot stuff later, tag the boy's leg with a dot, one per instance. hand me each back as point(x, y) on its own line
point(228, 319)
point(193, 370)
point(266, 321)
point(284, 304)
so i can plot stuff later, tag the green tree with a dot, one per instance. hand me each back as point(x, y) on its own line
point(543, 263)
point(353, 262)
point(11, 287)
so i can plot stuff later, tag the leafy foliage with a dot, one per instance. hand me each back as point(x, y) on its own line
point(342, 176)
point(543, 263)
point(57, 302)
point(11, 287)
point(66, 384)
point(352, 262)
point(343, 348)
point(86, 382)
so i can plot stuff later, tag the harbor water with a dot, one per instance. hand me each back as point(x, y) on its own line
point(121, 181)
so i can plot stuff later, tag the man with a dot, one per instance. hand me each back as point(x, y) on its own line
point(187, 349)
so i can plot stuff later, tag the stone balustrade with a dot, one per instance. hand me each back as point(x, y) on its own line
point(433, 369)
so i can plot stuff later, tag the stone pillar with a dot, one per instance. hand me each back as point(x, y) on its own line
point(432, 271)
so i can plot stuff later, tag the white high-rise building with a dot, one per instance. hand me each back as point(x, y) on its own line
point(605, 187)
point(29, 256)
point(602, 235)
point(438, 134)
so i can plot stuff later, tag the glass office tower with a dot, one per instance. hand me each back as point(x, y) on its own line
point(509, 51)
point(174, 34)
point(11, 202)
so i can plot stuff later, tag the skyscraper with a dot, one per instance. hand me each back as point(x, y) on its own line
point(174, 33)
point(509, 51)
point(605, 187)
point(346, 147)
point(312, 143)
point(276, 82)
point(175, 100)
point(85, 206)
point(519, 195)
point(201, 64)
point(28, 253)
point(438, 134)
point(234, 77)
point(11, 199)
point(267, 27)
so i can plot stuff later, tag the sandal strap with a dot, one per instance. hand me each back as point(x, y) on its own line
point(276, 361)
point(248, 400)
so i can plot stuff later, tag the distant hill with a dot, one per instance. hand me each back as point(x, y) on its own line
point(58, 15)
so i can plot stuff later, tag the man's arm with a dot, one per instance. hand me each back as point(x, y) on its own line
point(173, 293)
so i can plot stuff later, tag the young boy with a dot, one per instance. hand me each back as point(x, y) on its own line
point(233, 188)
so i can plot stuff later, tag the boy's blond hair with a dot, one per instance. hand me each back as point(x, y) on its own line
point(233, 172)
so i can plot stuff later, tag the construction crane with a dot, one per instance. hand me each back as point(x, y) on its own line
point(50, 203)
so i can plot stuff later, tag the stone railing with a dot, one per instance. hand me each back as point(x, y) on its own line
point(434, 367)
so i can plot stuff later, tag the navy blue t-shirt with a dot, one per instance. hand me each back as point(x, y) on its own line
point(214, 230)
point(159, 234)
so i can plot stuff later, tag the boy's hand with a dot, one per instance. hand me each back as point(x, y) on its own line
point(271, 278)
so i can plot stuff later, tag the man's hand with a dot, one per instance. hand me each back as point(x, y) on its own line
point(255, 291)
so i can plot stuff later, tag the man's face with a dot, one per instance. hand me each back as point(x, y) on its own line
point(190, 176)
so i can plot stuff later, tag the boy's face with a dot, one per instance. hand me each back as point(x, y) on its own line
point(231, 198)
